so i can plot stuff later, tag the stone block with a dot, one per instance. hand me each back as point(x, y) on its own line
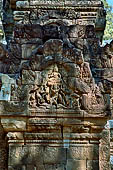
point(17, 167)
point(76, 165)
point(92, 165)
point(107, 73)
point(49, 167)
point(54, 155)
point(14, 124)
point(28, 77)
point(40, 167)
point(30, 48)
point(54, 167)
point(21, 4)
point(15, 108)
point(25, 155)
point(15, 156)
point(69, 69)
point(80, 128)
point(44, 121)
point(42, 136)
point(30, 167)
point(79, 43)
point(44, 128)
point(1, 107)
point(36, 77)
point(15, 135)
point(53, 47)
point(10, 168)
point(83, 152)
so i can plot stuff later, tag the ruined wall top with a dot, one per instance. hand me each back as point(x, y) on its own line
point(74, 11)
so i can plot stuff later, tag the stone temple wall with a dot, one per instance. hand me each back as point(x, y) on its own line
point(56, 85)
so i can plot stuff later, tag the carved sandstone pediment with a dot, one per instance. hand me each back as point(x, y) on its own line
point(60, 81)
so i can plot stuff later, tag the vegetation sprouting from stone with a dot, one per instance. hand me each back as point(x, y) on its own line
point(108, 33)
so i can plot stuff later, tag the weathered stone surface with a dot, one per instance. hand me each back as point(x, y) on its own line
point(104, 150)
point(54, 155)
point(76, 164)
point(55, 166)
point(15, 107)
point(30, 47)
point(15, 135)
point(91, 165)
point(14, 124)
point(25, 155)
point(91, 152)
point(56, 86)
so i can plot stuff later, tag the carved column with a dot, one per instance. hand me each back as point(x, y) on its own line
point(104, 151)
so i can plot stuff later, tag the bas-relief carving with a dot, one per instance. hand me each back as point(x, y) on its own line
point(67, 57)
point(51, 90)
point(56, 65)
point(53, 93)
point(42, 15)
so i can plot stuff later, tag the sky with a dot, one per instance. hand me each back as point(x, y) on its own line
point(110, 2)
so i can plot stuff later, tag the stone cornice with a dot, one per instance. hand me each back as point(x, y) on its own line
point(54, 4)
